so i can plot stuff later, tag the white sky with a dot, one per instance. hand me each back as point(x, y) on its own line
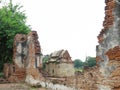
point(66, 24)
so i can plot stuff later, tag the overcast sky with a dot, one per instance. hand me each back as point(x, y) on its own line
point(66, 24)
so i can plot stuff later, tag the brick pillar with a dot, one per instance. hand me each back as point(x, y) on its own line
point(33, 61)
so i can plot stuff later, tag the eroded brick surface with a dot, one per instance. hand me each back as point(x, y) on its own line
point(60, 64)
point(108, 50)
point(26, 58)
point(114, 53)
point(109, 18)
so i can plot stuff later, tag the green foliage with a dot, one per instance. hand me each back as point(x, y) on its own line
point(1, 74)
point(12, 21)
point(45, 59)
point(90, 61)
point(78, 63)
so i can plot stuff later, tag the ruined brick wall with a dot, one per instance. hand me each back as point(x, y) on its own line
point(108, 50)
point(16, 72)
point(13, 73)
point(20, 50)
point(26, 58)
point(60, 64)
point(87, 80)
point(33, 58)
point(109, 18)
point(60, 69)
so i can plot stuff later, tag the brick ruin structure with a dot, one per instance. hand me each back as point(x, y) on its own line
point(27, 63)
point(104, 76)
point(108, 50)
point(26, 58)
point(60, 64)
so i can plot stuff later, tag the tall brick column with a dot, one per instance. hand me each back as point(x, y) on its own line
point(33, 61)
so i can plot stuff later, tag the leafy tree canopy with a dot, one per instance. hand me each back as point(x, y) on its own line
point(12, 21)
point(45, 59)
point(90, 61)
point(78, 63)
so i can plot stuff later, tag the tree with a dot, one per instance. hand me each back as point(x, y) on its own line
point(12, 21)
point(45, 59)
point(78, 63)
point(90, 61)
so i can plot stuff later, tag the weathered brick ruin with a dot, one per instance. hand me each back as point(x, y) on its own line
point(105, 76)
point(108, 50)
point(88, 79)
point(26, 58)
point(34, 60)
point(60, 64)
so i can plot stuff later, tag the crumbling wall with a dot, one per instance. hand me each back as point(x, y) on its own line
point(108, 50)
point(60, 64)
point(16, 72)
point(20, 50)
point(60, 69)
point(33, 61)
point(89, 79)
point(26, 58)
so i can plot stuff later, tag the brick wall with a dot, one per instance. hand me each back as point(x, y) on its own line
point(60, 69)
point(26, 58)
point(108, 50)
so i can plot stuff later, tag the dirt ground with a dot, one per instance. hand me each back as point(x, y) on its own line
point(20, 86)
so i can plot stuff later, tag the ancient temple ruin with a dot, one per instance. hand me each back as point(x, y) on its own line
point(26, 58)
point(60, 64)
point(108, 50)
